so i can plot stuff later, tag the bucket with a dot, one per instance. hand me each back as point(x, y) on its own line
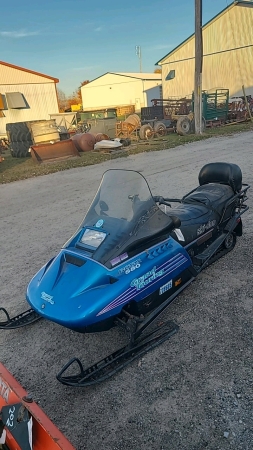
point(84, 142)
point(59, 151)
point(44, 131)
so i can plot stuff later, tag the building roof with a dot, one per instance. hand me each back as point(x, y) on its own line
point(138, 75)
point(29, 71)
point(245, 3)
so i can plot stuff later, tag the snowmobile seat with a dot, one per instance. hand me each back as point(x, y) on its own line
point(204, 207)
point(219, 182)
point(211, 196)
point(222, 173)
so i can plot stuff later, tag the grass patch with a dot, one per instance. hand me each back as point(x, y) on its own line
point(13, 169)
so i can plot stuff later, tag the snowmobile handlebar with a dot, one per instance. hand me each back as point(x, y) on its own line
point(162, 201)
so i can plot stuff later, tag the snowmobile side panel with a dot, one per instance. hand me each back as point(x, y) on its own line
point(77, 296)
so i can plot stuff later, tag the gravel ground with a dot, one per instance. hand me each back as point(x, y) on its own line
point(194, 391)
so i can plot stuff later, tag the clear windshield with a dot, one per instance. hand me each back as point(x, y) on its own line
point(123, 194)
point(125, 210)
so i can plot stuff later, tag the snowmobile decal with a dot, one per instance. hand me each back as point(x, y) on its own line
point(48, 298)
point(206, 227)
point(165, 287)
point(145, 282)
point(99, 223)
point(119, 259)
point(130, 267)
point(147, 278)
point(165, 269)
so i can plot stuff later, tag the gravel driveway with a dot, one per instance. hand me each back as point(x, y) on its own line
point(194, 391)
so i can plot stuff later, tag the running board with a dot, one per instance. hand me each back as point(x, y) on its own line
point(21, 320)
point(115, 362)
point(201, 258)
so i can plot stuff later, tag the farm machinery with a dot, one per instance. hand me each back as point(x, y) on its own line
point(175, 115)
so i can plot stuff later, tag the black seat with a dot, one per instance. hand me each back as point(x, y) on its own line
point(204, 207)
point(212, 196)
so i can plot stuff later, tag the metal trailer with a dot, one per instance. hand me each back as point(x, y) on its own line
point(165, 115)
point(177, 114)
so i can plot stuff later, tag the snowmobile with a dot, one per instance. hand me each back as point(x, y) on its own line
point(132, 255)
point(23, 424)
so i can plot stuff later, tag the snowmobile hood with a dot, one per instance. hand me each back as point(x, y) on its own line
point(61, 284)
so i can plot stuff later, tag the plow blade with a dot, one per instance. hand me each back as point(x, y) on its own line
point(58, 151)
point(23, 425)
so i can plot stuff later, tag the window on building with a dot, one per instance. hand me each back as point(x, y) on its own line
point(171, 75)
point(16, 100)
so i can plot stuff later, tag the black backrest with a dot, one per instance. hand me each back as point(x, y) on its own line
point(223, 173)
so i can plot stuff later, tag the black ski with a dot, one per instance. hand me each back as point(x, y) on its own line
point(113, 363)
point(21, 320)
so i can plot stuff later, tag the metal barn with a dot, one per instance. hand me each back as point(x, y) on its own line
point(113, 90)
point(227, 55)
point(25, 95)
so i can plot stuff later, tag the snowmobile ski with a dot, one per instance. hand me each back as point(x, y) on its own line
point(21, 320)
point(119, 359)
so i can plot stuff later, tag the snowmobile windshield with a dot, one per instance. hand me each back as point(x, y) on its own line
point(123, 212)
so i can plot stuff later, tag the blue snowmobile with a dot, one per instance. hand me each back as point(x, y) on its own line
point(131, 257)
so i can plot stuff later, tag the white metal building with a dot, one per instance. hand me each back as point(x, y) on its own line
point(227, 55)
point(25, 95)
point(115, 89)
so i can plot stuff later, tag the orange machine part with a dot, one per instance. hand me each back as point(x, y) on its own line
point(45, 434)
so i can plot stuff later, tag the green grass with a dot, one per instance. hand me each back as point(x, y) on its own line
point(13, 169)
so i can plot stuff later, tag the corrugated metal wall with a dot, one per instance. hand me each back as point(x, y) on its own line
point(228, 56)
point(112, 90)
point(41, 98)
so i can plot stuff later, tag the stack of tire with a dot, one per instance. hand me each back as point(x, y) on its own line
point(20, 139)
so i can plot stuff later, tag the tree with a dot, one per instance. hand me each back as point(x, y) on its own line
point(62, 100)
point(76, 97)
point(158, 70)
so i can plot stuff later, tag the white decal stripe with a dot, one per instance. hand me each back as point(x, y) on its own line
point(112, 306)
point(168, 266)
point(165, 275)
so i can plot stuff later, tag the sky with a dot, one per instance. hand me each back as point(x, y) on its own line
point(77, 40)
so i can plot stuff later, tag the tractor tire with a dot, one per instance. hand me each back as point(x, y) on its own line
point(20, 149)
point(146, 132)
point(18, 132)
point(159, 128)
point(183, 126)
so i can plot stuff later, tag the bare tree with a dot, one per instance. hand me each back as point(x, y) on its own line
point(62, 100)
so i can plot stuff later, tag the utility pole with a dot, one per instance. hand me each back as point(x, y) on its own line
point(198, 67)
point(138, 53)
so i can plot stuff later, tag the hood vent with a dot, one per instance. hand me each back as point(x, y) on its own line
point(72, 259)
